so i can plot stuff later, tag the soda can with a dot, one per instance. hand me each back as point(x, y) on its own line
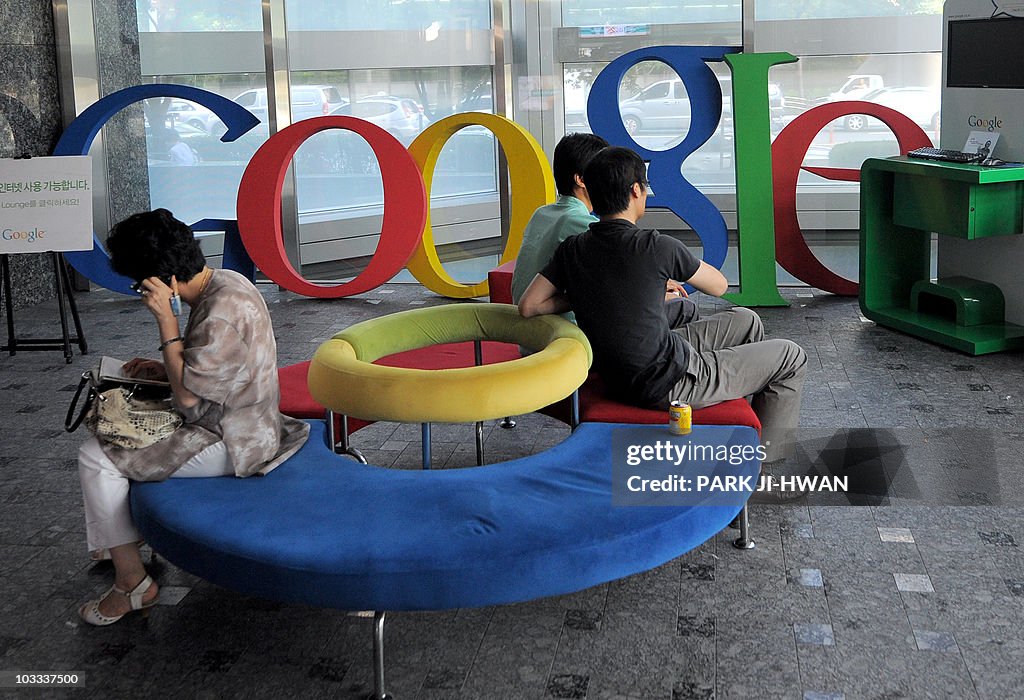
point(680, 418)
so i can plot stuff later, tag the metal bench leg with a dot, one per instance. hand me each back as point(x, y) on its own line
point(425, 444)
point(342, 446)
point(378, 657)
point(744, 541)
point(574, 410)
point(508, 422)
point(332, 439)
point(478, 359)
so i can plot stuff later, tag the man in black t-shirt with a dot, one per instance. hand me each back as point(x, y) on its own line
point(613, 277)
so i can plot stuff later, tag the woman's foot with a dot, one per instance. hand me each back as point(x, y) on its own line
point(120, 600)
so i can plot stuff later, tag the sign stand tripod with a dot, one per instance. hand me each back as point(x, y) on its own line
point(45, 207)
point(64, 291)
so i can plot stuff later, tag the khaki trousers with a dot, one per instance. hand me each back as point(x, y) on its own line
point(731, 359)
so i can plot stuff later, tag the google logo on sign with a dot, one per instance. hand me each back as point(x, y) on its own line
point(987, 124)
point(27, 236)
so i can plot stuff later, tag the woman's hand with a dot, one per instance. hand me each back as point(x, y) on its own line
point(141, 368)
point(157, 297)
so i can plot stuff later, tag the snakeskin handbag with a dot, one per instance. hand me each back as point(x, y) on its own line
point(127, 415)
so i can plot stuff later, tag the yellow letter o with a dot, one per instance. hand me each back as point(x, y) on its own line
point(531, 181)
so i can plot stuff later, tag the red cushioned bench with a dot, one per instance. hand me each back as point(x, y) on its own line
point(499, 282)
point(597, 407)
point(594, 404)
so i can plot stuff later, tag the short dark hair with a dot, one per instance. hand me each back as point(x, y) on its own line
point(154, 244)
point(610, 176)
point(571, 156)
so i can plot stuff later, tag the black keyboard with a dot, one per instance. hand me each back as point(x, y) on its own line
point(946, 154)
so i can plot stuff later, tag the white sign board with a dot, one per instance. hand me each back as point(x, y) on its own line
point(45, 204)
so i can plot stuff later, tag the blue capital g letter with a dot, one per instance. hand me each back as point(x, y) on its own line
point(671, 190)
point(95, 263)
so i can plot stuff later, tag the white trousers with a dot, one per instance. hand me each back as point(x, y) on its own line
point(108, 517)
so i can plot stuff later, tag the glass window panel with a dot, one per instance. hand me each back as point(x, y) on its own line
point(466, 166)
point(191, 171)
point(370, 15)
point(582, 13)
point(199, 15)
point(656, 112)
point(337, 172)
point(907, 83)
point(828, 9)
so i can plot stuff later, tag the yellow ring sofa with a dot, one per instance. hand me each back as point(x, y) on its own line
point(343, 379)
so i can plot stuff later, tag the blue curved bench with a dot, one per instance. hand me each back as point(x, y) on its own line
point(324, 530)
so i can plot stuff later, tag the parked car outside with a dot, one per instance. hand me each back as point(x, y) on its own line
point(307, 101)
point(856, 86)
point(665, 106)
point(402, 117)
point(920, 104)
point(196, 116)
point(479, 99)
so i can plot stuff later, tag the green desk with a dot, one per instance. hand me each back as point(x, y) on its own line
point(902, 201)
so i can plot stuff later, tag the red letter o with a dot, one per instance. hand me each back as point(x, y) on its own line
point(259, 207)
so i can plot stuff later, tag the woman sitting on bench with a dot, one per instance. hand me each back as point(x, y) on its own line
point(222, 370)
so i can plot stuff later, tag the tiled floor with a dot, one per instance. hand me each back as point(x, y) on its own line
point(918, 592)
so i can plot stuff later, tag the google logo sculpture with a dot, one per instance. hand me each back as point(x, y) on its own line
point(766, 178)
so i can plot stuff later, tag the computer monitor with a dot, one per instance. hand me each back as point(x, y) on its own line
point(985, 53)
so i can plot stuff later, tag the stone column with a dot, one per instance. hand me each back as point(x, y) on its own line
point(124, 136)
point(29, 116)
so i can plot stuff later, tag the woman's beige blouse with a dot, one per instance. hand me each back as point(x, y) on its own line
point(231, 364)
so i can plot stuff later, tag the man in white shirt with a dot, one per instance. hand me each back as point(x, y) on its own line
point(181, 153)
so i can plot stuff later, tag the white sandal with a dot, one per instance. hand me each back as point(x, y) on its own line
point(90, 612)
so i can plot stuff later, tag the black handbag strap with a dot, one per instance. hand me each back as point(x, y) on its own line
point(71, 422)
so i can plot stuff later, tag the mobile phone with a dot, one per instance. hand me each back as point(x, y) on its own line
point(176, 305)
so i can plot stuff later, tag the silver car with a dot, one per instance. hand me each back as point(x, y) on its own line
point(307, 101)
point(402, 117)
point(919, 103)
point(197, 116)
point(664, 106)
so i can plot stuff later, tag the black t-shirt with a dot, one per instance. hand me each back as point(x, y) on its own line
point(614, 275)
